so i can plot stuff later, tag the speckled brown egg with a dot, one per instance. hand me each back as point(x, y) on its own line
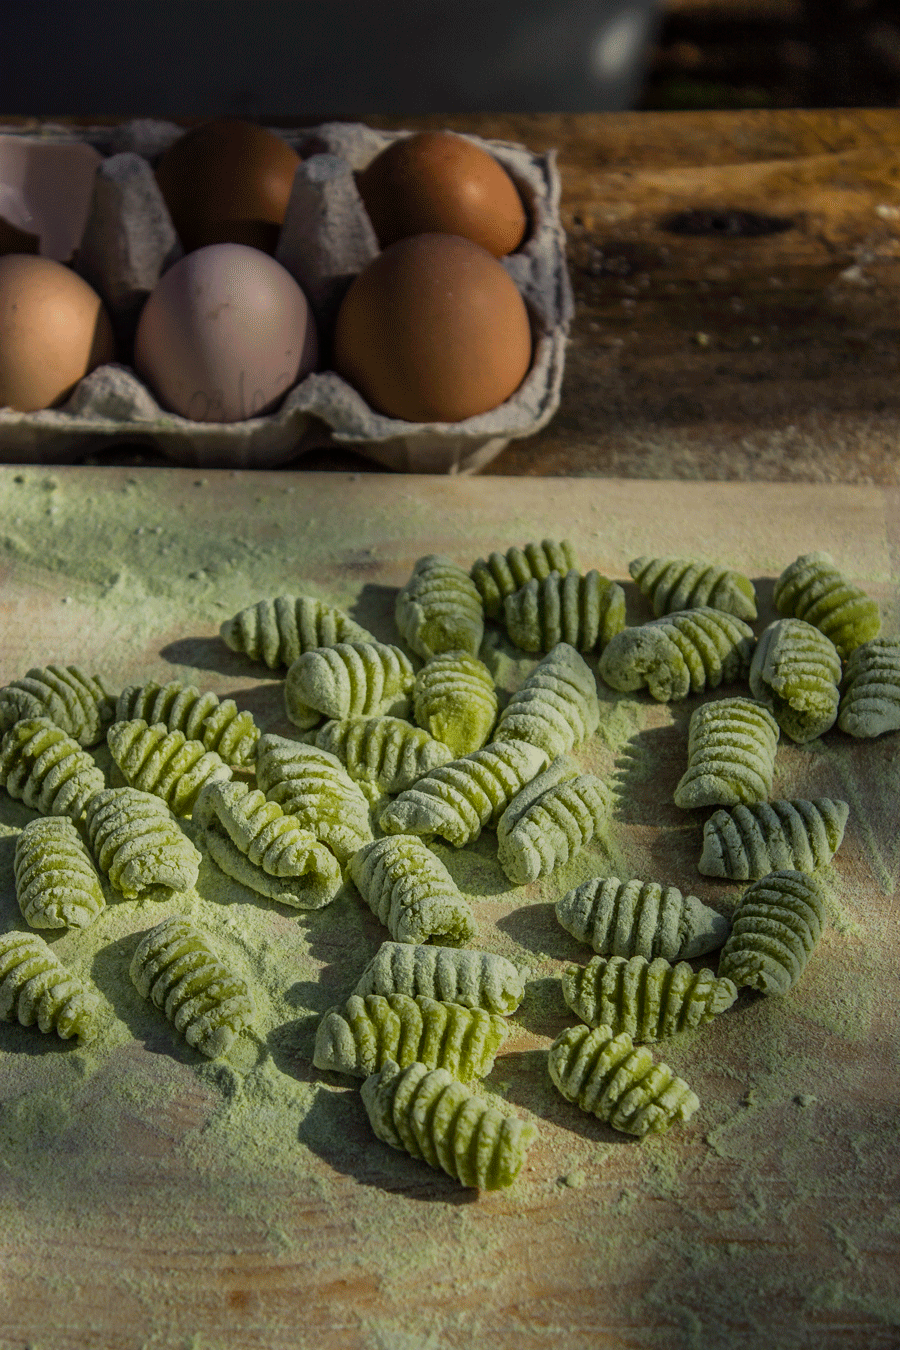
point(53, 331)
point(228, 182)
point(438, 182)
point(433, 330)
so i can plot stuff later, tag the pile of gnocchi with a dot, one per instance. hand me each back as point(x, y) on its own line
point(396, 746)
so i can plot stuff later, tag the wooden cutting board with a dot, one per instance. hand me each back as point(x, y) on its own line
point(150, 1198)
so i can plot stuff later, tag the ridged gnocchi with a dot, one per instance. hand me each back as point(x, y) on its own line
point(458, 799)
point(386, 754)
point(551, 820)
point(313, 787)
point(35, 987)
point(454, 699)
point(135, 842)
point(452, 974)
point(502, 573)
point(166, 763)
point(252, 840)
point(409, 889)
point(679, 654)
point(650, 1000)
point(57, 885)
point(430, 1115)
point(813, 588)
point(203, 717)
point(607, 1076)
point(47, 769)
point(279, 630)
point(350, 679)
point(439, 609)
point(176, 968)
point(870, 689)
point(731, 754)
point(79, 704)
point(556, 707)
point(795, 672)
point(671, 584)
point(640, 918)
point(585, 610)
point(373, 1028)
point(748, 842)
point(777, 922)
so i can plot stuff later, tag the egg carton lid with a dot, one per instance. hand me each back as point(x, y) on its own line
point(111, 405)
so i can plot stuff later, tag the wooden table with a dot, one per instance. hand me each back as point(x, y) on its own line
point(728, 353)
point(149, 1198)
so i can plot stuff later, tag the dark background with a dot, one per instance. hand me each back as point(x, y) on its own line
point(321, 58)
point(775, 54)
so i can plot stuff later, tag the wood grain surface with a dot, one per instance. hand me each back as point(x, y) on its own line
point(132, 1218)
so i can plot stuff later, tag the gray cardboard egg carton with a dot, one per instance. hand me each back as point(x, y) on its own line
point(326, 239)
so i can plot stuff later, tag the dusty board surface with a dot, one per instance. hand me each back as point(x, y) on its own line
point(151, 1199)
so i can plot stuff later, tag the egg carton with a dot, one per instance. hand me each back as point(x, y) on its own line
point(326, 239)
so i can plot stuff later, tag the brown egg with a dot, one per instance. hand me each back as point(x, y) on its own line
point(438, 182)
point(53, 331)
point(228, 182)
point(433, 330)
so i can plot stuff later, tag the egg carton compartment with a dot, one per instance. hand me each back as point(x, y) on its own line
point(326, 239)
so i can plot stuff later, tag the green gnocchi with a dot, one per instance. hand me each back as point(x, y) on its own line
point(203, 717)
point(554, 816)
point(606, 1076)
point(79, 704)
point(373, 1028)
point(426, 1017)
point(502, 573)
point(584, 610)
point(177, 969)
point(748, 842)
point(47, 769)
point(439, 609)
point(454, 699)
point(252, 840)
point(679, 654)
point(671, 584)
point(650, 1000)
point(138, 845)
point(385, 754)
point(812, 588)
point(777, 922)
point(556, 706)
point(870, 689)
point(279, 630)
point(795, 672)
point(452, 974)
point(35, 987)
point(431, 1115)
point(166, 763)
point(640, 918)
point(313, 787)
point(350, 679)
point(409, 889)
point(57, 885)
point(458, 799)
point(731, 754)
